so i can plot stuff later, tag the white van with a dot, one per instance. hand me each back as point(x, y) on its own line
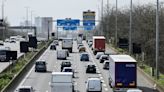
point(93, 84)
point(61, 54)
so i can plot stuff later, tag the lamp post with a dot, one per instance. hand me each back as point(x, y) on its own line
point(116, 26)
point(130, 30)
point(102, 17)
point(157, 39)
point(3, 18)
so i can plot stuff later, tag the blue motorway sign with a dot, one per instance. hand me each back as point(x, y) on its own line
point(88, 28)
point(69, 28)
point(69, 22)
point(88, 22)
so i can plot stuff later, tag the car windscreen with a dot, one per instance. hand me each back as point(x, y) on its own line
point(68, 70)
point(2, 52)
point(40, 63)
point(104, 57)
point(24, 90)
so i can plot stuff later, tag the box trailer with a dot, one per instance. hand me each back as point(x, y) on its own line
point(98, 44)
point(122, 72)
point(67, 43)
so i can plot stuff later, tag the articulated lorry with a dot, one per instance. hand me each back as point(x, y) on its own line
point(98, 44)
point(122, 72)
point(62, 82)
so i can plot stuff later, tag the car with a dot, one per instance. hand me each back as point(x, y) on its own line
point(25, 89)
point(12, 41)
point(84, 57)
point(90, 45)
point(7, 40)
point(106, 64)
point(68, 69)
point(53, 47)
point(56, 42)
point(91, 68)
point(134, 90)
point(79, 45)
point(40, 66)
point(82, 49)
point(93, 85)
point(103, 58)
point(99, 54)
point(67, 51)
point(1, 42)
point(65, 64)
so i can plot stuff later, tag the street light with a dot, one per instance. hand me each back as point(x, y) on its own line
point(102, 17)
point(116, 26)
point(130, 31)
point(157, 39)
point(3, 18)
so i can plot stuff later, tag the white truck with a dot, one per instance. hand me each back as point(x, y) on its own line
point(61, 82)
point(67, 43)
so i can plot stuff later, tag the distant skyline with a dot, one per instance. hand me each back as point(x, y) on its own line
point(15, 10)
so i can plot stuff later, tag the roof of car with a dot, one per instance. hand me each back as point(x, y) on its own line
point(67, 67)
point(94, 79)
point(25, 86)
point(62, 73)
point(41, 61)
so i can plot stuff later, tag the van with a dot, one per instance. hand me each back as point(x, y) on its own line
point(61, 54)
point(93, 85)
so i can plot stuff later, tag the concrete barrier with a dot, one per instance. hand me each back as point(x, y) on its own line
point(21, 74)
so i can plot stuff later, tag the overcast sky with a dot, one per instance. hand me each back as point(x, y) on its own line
point(15, 10)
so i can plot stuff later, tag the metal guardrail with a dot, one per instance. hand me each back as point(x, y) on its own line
point(21, 74)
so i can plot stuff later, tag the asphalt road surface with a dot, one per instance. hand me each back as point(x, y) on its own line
point(40, 81)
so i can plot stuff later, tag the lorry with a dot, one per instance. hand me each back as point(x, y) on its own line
point(61, 82)
point(122, 72)
point(98, 44)
point(67, 43)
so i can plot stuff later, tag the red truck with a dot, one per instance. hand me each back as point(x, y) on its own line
point(98, 44)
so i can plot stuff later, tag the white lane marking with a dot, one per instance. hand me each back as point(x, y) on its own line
point(104, 85)
point(103, 81)
point(98, 71)
point(75, 83)
point(46, 90)
point(23, 81)
point(101, 77)
point(106, 89)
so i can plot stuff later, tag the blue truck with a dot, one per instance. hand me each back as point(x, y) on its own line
point(122, 72)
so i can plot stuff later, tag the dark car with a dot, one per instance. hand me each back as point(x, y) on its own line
point(65, 64)
point(91, 69)
point(82, 49)
point(79, 45)
point(84, 57)
point(40, 66)
point(103, 58)
point(53, 47)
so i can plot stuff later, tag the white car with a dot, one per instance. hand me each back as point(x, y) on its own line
point(93, 85)
point(25, 89)
point(1, 42)
point(134, 90)
point(99, 54)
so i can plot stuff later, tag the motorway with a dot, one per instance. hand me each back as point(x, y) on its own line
point(13, 47)
point(40, 81)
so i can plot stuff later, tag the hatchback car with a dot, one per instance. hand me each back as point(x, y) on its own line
point(53, 47)
point(103, 58)
point(68, 69)
point(99, 54)
point(91, 69)
point(40, 66)
point(65, 64)
point(84, 57)
point(79, 45)
point(25, 89)
point(82, 49)
point(106, 64)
